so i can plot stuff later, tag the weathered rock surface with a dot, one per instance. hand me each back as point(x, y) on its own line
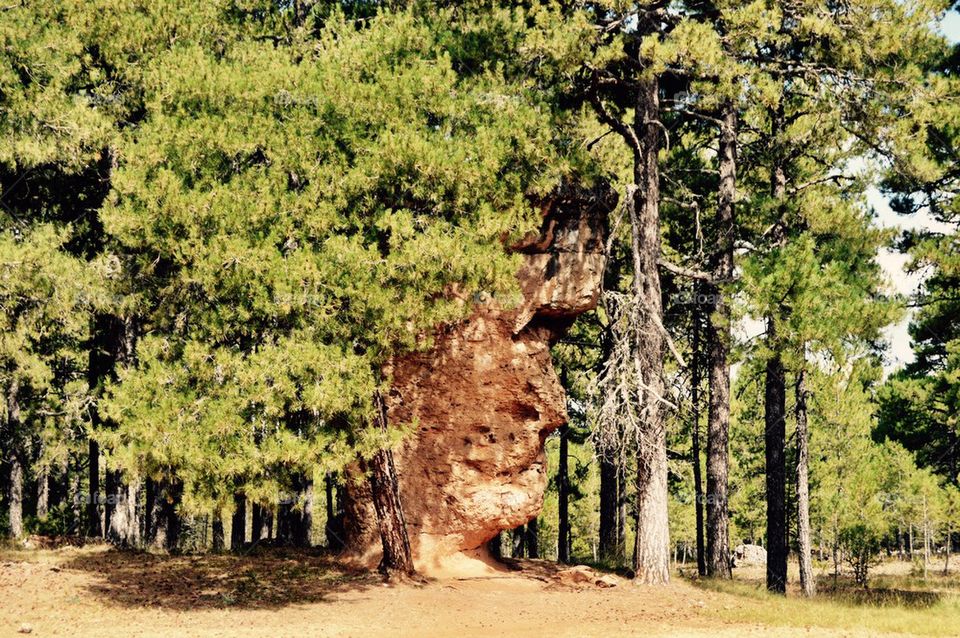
point(747, 555)
point(486, 396)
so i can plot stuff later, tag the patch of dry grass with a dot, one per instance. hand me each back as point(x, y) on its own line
point(894, 603)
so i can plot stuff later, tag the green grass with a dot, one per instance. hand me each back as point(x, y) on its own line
point(892, 605)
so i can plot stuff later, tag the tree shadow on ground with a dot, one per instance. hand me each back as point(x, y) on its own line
point(842, 590)
point(881, 597)
point(264, 579)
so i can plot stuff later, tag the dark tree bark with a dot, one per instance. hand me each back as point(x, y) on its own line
point(774, 442)
point(333, 530)
point(285, 523)
point(652, 550)
point(719, 337)
point(94, 515)
point(218, 537)
point(111, 488)
point(807, 581)
point(533, 539)
point(609, 497)
point(149, 507)
point(563, 497)
point(238, 529)
point(385, 490)
point(262, 524)
point(695, 364)
point(112, 344)
point(775, 404)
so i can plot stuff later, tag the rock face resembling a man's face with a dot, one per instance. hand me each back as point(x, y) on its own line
point(486, 396)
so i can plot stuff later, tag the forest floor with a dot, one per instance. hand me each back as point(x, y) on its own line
point(95, 591)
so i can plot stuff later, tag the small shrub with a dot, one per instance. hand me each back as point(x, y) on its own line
point(861, 550)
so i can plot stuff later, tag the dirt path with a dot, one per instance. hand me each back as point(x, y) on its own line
point(95, 592)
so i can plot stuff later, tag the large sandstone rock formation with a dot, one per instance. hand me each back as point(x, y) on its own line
point(486, 396)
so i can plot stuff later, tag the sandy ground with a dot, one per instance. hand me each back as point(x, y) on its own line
point(94, 591)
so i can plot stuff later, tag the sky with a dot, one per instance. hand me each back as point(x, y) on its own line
point(892, 262)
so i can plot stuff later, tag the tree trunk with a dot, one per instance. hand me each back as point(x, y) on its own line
point(123, 524)
point(15, 484)
point(517, 542)
point(775, 440)
point(284, 523)
point(165, 522)
point(303, 515)
point(112, 343)
point(807, 581)
point(698, 502)
point(947, 548)
point(94, 514)
point(621, 512)
point(719, 337)
point(238, 528)
point(15, 496)
point(652, 550)
point(926, 538)
point(72, 487)
point(111, 489)
point(533, 539)
point(563, 497)
point(775, 405)
point(218, 538)
point(608, 511)
point(333, 530)
point(385, 490)
point(258, 527)
point(43, 493)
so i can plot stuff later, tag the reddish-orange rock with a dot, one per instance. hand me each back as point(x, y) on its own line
point(485, 397)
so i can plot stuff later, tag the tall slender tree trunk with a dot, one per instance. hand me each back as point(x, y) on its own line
point(652, 549)
point(533, 538)
point(15, 459)
point(621, 512)
point(775, 440)
point(518, 538)
point(695, 436)
point(775, 402)
point(111, 489)
point(15, 495)
point(94, 514)
point(71, 480)
point(385, 490)
point(43, 493)
point(563, 497)
point(718, 426)
point(238, 527)
point(807, 580)
point(608, 510)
